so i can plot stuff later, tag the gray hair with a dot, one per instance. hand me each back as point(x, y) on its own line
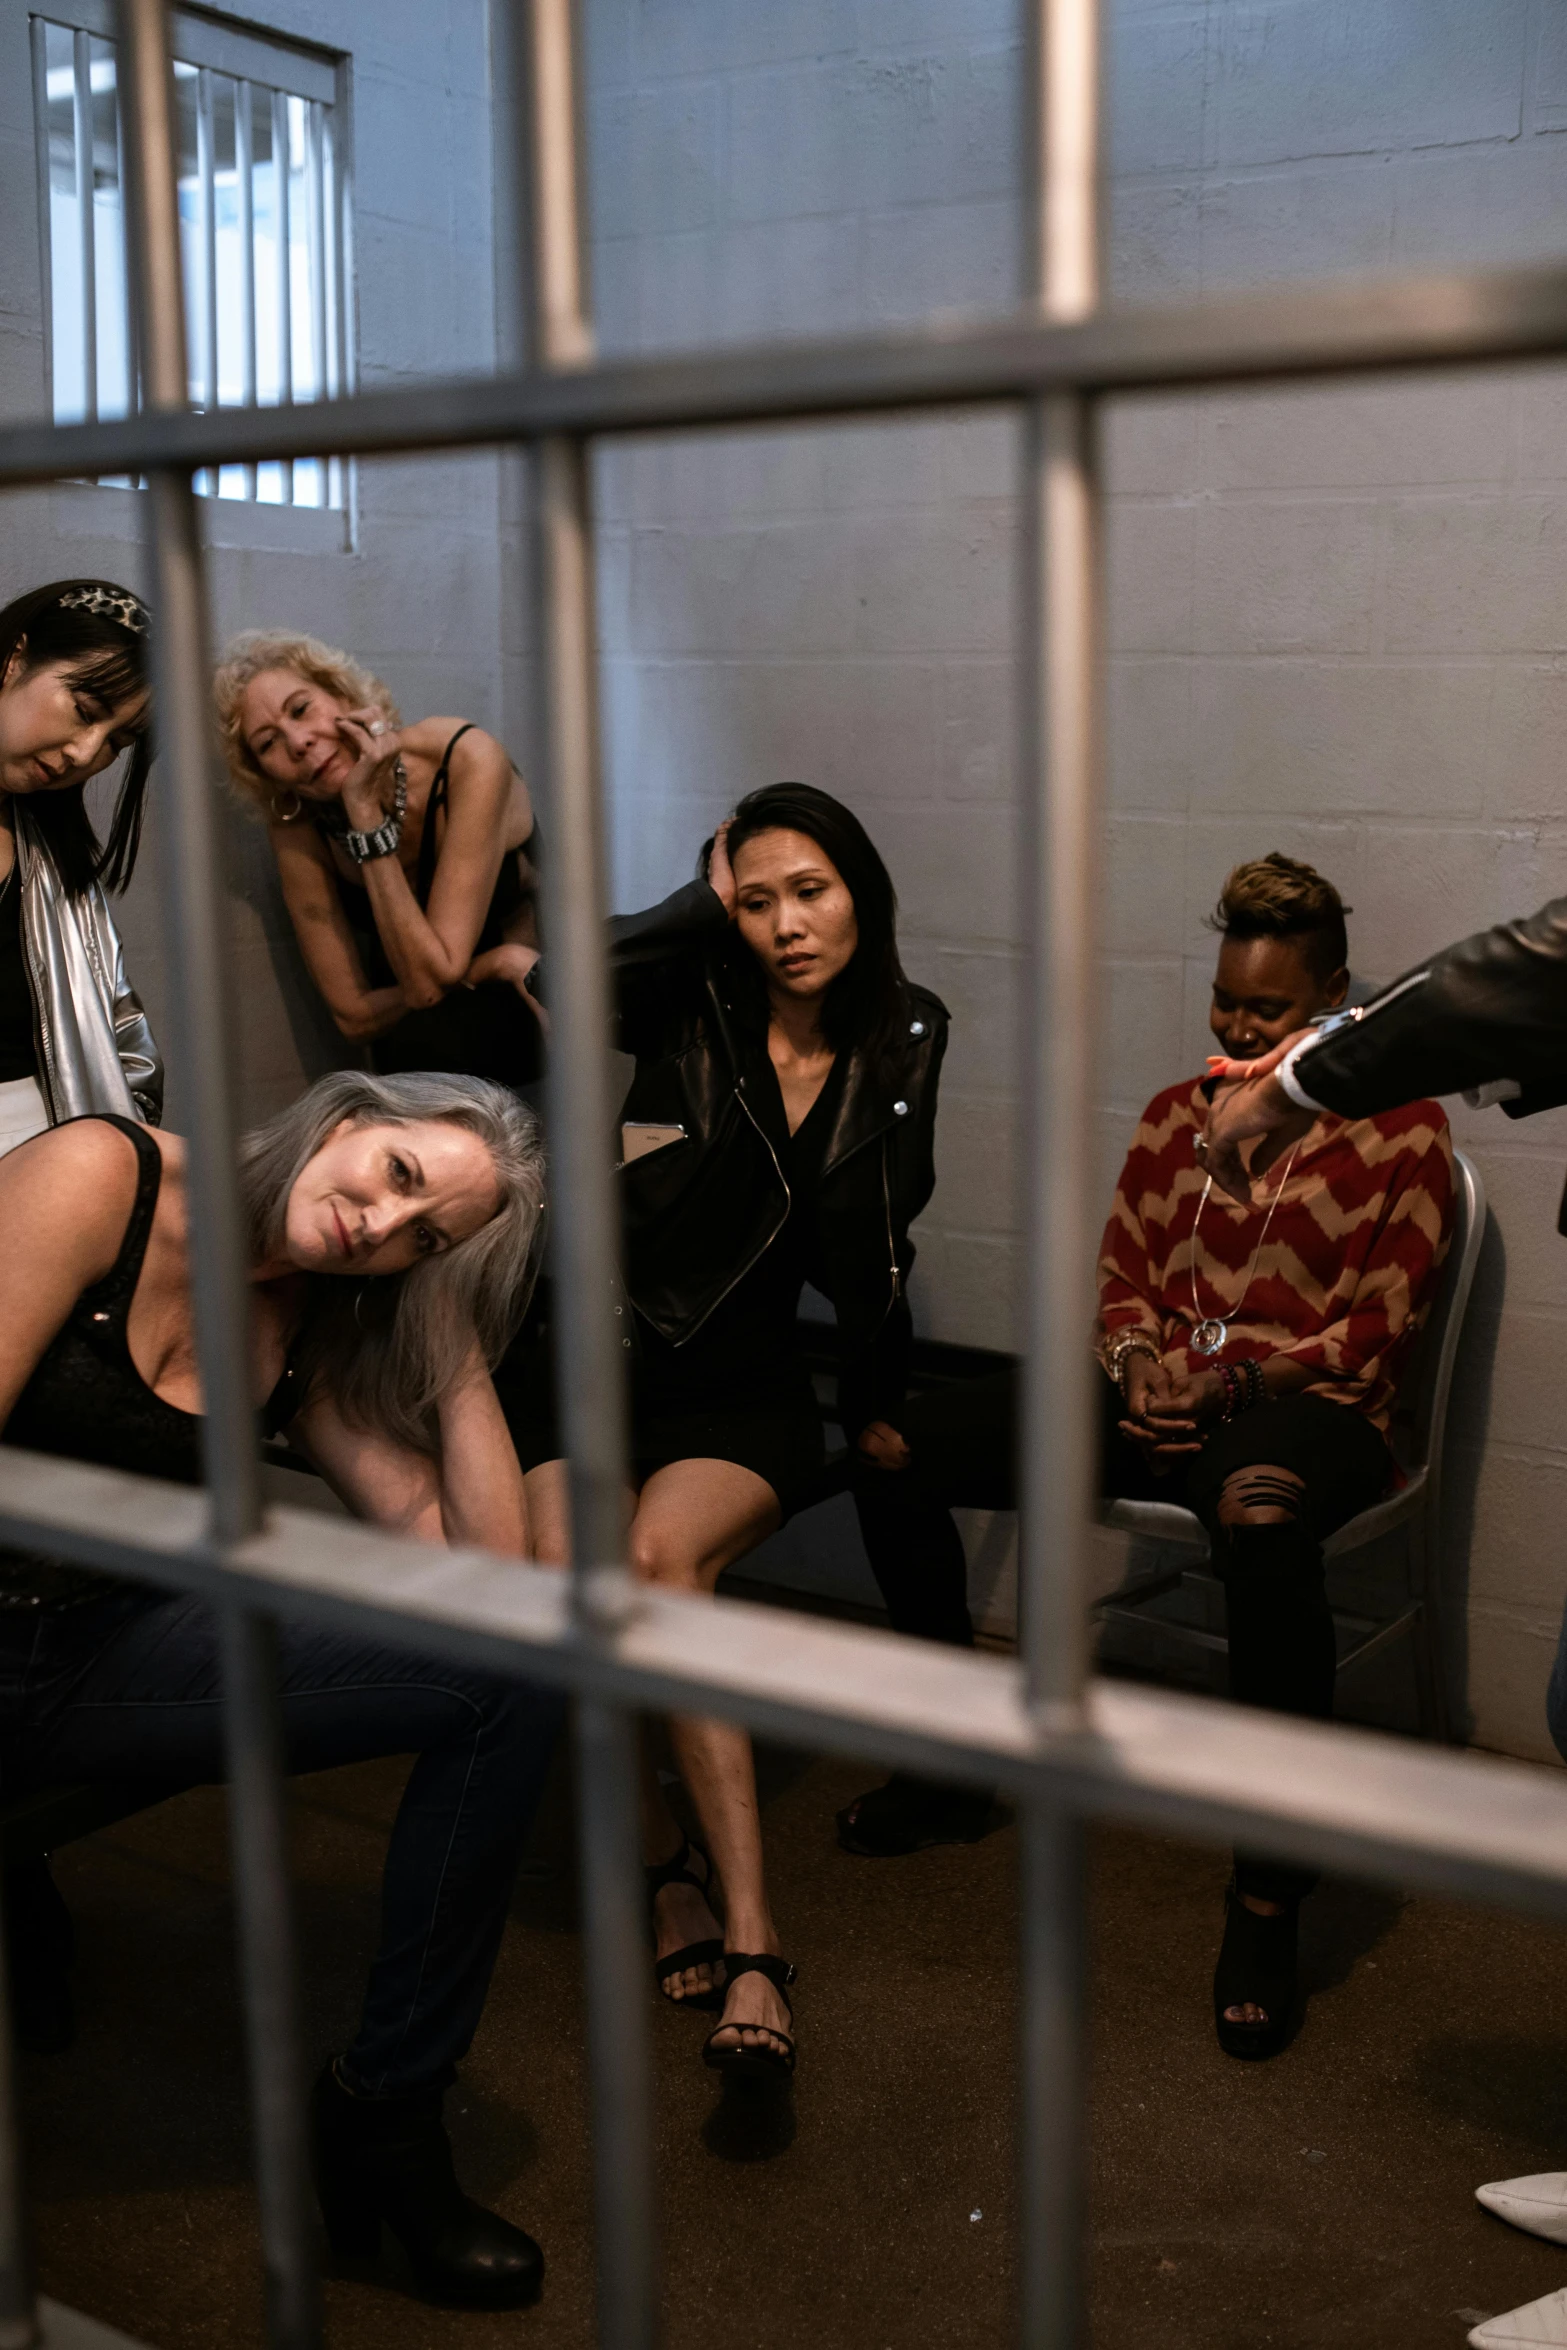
point(387, 1350)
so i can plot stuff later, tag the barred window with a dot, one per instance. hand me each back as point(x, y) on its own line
point(264, 230)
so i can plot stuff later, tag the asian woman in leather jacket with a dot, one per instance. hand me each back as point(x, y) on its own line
point(778, 1130)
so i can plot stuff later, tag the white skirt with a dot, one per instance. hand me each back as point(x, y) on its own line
point(22, 1113)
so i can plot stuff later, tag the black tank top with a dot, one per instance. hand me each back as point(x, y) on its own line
point(18, 1048)
point(484, 1031)
point(87, 1400)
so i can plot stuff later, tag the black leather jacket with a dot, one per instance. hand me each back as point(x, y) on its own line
point(699, 1211)
point(1493, 1006)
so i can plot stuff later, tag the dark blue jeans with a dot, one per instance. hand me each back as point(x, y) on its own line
point(128, 1689)
point(1556, 1695)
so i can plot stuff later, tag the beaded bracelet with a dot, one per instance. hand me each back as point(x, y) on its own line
point(1256, 1386)
point(1232, 1383)
point(1119, 1350)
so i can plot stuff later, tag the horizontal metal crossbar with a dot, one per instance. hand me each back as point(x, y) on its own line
point(1460, 1823)
point(1311, 331)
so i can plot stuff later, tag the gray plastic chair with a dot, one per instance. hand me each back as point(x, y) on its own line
point(1419, 1432)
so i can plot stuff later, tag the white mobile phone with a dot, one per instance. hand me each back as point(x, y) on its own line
point(639, 1138)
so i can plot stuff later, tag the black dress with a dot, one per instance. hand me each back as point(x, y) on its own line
point(483, 1031)
point(86, 1400)
point(739, 1390)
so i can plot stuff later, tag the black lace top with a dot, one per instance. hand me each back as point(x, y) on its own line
point(87, 1400)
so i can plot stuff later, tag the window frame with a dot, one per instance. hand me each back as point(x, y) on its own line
point(262, 58)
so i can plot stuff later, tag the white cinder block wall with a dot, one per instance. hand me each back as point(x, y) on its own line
point(1338, 618)
point(411, 580)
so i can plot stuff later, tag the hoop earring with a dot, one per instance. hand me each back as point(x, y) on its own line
point(294, 813)
point(359, 1297)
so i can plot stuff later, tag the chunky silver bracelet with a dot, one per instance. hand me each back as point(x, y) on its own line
point(1120, 1348)
point(363, 846)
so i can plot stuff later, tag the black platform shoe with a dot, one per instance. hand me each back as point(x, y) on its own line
point(40, 1944)
point(909, 1815)
point(1257, 1968)
point(387, 2160)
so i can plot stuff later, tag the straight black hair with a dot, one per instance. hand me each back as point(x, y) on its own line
point(867, 1004)
point(109, 659)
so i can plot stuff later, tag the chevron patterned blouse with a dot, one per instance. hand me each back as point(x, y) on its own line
point(1347, 1271)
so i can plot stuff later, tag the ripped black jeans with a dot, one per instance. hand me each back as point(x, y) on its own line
point(1332, 1464)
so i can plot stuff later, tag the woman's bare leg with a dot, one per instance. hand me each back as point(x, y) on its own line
point(681, 1914)
point(693, 1518)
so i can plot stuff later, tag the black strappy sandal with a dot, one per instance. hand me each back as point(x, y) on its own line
point(1257, 1968)
point(708, 1953)
point(754, 2064)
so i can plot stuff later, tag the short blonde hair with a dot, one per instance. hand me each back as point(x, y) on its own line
point(258, 649)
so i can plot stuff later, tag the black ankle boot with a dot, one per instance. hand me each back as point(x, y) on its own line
point(40, 1944)
point(388, 2159)
point(910, 1814)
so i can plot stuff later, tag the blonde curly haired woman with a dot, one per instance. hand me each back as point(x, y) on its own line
point(406, 855)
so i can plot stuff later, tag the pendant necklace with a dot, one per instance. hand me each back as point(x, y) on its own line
point(1209, 1331)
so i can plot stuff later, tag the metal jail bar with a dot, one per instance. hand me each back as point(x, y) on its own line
point(1474, 1827)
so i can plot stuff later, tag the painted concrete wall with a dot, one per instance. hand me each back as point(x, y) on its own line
point(1336, 616)
point(411, 578)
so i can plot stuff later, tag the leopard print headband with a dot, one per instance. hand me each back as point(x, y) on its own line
point(110, 603)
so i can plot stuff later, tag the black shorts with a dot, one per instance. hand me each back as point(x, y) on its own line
point(772, 1426)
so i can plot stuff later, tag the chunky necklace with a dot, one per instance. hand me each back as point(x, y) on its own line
point(1209, 1331)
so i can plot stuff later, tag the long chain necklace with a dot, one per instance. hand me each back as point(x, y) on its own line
point(1209, 1331)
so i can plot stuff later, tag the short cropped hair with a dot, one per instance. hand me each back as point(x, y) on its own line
point(257, 649)
point(1279, 897)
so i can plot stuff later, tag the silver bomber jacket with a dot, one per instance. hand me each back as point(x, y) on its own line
point(96, 1051)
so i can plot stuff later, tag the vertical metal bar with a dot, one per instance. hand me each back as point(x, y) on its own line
point(18, 2317)
point(585, 1232)
point(253, 1726)
point(244, 173)
point(197, 930)
point(315, 199)
point(335, 145)
point(82, 128)
point(40, 48)
point(619, 2073)
point(1054, 2067)
point(206, 170)
point(133, 372)
point(315, 208)
point(1060, 784)
point(285, 272)
point(593, 1341)
point(202, 1034)
point(1060, 687)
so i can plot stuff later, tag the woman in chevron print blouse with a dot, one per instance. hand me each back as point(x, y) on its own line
point(1251, 1356)
point(1258, 1350)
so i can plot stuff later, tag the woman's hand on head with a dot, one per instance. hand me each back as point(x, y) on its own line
point(720, 873)
point(376, 747)
point(880, 1442)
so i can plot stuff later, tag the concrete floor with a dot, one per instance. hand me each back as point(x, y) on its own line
point(1323, 2202)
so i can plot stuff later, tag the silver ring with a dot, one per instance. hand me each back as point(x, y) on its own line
point(1200, 1146)
point(378, 726)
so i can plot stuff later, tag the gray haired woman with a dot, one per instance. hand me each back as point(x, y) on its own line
point(394, 1230)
